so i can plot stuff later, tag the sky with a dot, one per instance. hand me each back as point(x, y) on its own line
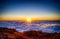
point(18, 9)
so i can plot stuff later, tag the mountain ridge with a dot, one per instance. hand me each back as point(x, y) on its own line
point(7, 33)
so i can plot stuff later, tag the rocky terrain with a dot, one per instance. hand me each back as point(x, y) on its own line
point(7, 33)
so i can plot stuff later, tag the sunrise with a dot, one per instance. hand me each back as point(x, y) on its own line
point(29, 19)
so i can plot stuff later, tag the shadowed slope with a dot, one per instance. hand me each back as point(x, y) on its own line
point(6, 33)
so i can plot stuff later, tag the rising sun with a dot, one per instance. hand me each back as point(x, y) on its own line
point(28, 19)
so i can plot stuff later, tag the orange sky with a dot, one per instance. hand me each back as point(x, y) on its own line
point(33, 18)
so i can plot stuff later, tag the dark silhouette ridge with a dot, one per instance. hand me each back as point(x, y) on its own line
point(6, 33)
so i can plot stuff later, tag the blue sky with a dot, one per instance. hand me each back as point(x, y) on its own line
point(29, 8)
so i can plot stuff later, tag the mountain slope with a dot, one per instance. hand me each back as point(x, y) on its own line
point(6, 33)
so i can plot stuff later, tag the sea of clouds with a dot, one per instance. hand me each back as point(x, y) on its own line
point(49, 27)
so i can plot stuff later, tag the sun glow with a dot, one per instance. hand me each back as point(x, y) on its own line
point(28, 19)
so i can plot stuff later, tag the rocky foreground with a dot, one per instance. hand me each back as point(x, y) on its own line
point(6, 33)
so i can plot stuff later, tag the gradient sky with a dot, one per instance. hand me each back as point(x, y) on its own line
point(29, 9)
